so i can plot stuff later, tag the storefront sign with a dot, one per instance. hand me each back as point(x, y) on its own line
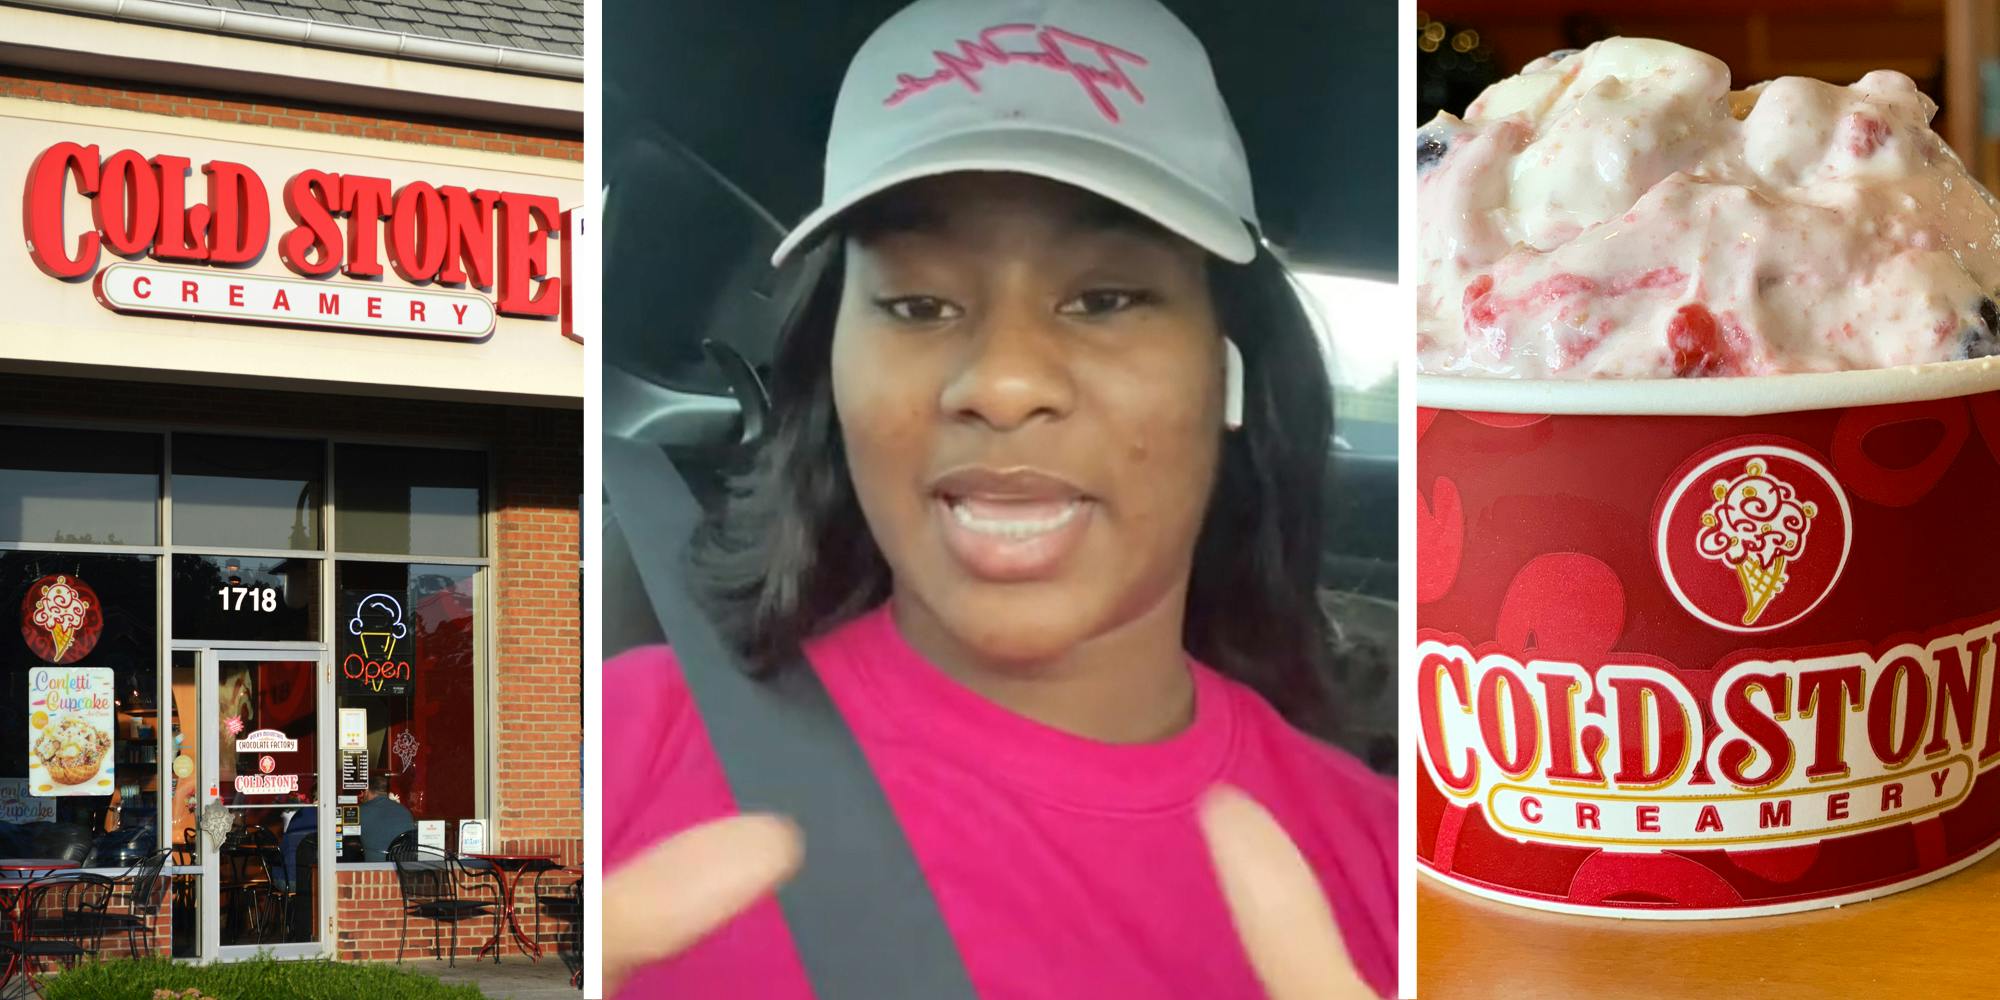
point(148, 288)
point(71, 715)
point(266, 784)
point(61, 619)
point(377, 659)
point(19, 807)
point(357, 225)
point(267, 741)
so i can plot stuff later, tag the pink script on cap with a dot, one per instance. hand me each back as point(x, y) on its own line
point(975, 56)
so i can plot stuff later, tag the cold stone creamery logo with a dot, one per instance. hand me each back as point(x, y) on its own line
point(61, 619)
point(430, 236)
point(1731, 535)
point(60, 611)
point(1614, 754)
point(1770, 747)
point(1756, 526)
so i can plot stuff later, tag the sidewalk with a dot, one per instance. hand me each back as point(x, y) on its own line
point(515, 978)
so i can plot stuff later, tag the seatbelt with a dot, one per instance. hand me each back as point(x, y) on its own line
point(861, 914)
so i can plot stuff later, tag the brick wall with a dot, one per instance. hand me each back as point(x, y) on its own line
point(256, 110)
point(371, 921)
point(535, 658)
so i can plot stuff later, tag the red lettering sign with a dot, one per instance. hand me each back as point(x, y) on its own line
point(450, 235)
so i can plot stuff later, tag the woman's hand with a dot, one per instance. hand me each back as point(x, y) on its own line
point(695, 881)
point(1286, 926)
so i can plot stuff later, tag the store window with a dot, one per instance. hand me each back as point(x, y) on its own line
point(79, 766)
point(405, 652)
point(77, 487)
point(246, 559)
point(409, 501)
point(246, 492)
point(246, 598)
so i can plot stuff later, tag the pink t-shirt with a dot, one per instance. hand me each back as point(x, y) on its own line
point(1063, 867)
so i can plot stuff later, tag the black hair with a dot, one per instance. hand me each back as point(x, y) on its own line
point(788, 555)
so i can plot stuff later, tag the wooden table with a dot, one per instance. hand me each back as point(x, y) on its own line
point(508, 868)
point(1924, 942)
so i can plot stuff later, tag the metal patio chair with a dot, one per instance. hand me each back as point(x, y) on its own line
point(57, 918)
point(430, 882)
point(145, 887)
point(562, 899)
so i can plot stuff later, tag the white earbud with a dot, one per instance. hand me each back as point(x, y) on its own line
point(1232, 382)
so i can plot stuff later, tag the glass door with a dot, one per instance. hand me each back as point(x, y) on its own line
point(263, 829)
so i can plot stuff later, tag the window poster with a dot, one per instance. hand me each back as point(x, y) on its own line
point(71, 721)
point(19, 808)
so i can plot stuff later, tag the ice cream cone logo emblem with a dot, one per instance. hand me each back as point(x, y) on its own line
point(61, 618)
point(60, 611)
point(378, 623)
point(1753, 535)
point(1756, 526)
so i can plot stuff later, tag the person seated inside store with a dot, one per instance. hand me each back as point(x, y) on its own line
point(304, 823)
point(383, 819)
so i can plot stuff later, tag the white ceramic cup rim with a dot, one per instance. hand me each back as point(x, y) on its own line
point(1716, 397)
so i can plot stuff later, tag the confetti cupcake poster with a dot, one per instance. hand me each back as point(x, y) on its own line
point(71, 721)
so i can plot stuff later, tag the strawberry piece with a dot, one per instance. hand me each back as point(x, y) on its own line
point(1481, 316)
point(1869, 133)
point(1477, 309)
point(1697, 343)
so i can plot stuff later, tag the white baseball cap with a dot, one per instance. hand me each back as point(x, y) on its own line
point(1112, 96)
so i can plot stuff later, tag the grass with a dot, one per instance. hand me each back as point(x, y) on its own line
point(256, 979)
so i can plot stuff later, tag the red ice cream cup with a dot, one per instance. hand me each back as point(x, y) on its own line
point(1711, 647)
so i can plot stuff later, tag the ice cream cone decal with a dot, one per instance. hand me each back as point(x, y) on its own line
point(1756, 525)
point(60, 610)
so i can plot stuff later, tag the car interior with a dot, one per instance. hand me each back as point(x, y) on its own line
point(714, 125)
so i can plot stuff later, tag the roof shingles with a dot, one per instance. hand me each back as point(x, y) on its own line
point(534, 25)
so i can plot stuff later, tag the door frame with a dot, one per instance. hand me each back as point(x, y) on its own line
point(209, 660)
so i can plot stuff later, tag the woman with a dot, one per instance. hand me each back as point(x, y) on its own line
point(1040, 506)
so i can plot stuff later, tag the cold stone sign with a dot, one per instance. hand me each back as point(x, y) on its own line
point(347, 223)
point(264, 743)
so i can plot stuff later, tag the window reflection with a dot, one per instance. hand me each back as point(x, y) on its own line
point(246, 492)
point(74, 487)
point(409, 500)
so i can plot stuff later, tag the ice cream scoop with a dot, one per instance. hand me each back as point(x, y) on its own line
point(1619, 212)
